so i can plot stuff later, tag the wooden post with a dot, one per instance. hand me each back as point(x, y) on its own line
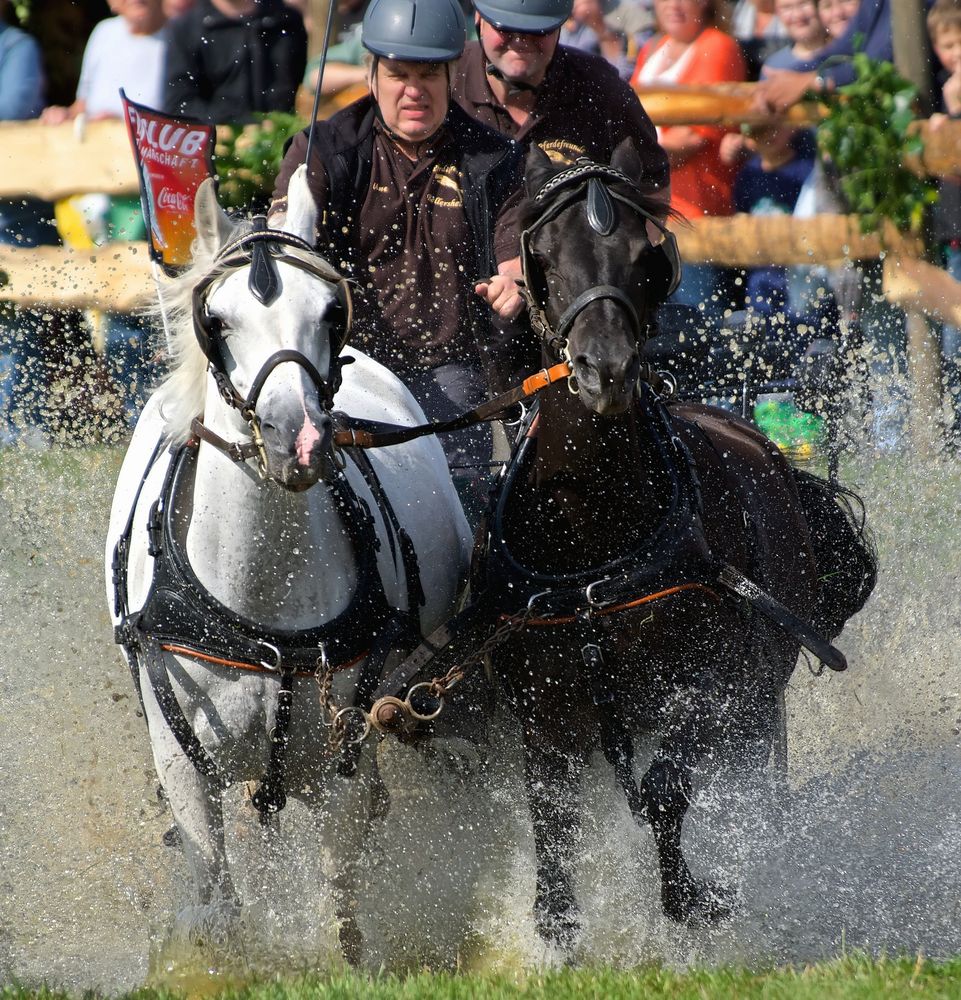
point(317, 19)
point(912, 53)
point(924, 373)
point(912, 56)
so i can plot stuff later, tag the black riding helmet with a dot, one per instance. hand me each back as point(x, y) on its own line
point(537, 17)
point(414, 30)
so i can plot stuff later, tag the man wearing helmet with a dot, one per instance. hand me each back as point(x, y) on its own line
point(517, 79)
point(408, 188)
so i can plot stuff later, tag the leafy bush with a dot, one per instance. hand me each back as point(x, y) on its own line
point(247, 158)
point(866, 139)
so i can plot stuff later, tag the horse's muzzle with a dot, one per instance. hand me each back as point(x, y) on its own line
point(606, 387)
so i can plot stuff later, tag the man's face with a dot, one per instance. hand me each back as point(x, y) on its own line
point(412, 97)
point(519, 55)
point(947, 45)
point(801, 21)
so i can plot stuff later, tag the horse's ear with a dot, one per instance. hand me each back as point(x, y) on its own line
point(538, 170)
point(213, 225)
point(627, 159)
point(301, 218)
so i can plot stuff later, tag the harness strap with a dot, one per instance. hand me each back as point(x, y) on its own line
point(237, 451)
point(372, 434)
point(616, 741)
point(271, 796)
point(153, 662)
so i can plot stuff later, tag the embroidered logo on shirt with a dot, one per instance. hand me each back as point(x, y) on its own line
point(447, 178)
point(561, 152)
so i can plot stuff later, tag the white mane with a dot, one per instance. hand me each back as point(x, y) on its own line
point(183, 391)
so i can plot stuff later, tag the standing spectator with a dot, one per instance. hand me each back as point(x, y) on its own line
point(227, 60)
point(123, 52)
point(24, 222)
point(868, 31)
point(693, 51)
point(944, 27)
point(759, 30)
point(587, 30)
point(769, 184)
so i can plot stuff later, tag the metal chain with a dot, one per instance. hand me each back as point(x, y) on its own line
point(438, 687)
point(583, 168)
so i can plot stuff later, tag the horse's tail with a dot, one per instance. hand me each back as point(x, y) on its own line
point(844, 550)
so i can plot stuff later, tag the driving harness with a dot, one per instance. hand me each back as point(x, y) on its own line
point(180, 616)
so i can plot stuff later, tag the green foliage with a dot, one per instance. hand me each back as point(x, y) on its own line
point(247, 158)
point(852, 978)
point(867, 139)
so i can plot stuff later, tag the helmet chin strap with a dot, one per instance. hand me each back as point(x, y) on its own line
point(513, 86)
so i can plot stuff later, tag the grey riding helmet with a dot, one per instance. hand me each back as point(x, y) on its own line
point(536, 17)
point(414, 30)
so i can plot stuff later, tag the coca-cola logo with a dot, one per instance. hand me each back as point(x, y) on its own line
point(175, 201)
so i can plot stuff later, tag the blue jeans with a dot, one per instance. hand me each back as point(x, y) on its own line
point(131, 362)
point(23, 223)
point(445, 392)
point(884, 330)
point(951, 347)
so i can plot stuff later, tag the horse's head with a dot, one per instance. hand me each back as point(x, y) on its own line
point(271, 317)
point(592, 266)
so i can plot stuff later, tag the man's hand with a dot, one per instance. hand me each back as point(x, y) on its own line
point(501, 292)
point(502, 295)
point(781, 89)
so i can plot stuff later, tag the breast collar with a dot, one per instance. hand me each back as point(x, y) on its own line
point(675, 552)
point(179, 611)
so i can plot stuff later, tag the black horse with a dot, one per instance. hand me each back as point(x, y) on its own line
point(638, 533)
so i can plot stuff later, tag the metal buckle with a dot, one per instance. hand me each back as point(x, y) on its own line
point(536, 597)
point(274, 667)
point(590, 596)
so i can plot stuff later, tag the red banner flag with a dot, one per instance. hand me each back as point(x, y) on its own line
point(174, 156)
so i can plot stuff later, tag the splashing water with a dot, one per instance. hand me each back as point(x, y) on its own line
point(860, 852)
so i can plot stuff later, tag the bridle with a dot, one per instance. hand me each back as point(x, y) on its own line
point(585, 179)
point(260, 250)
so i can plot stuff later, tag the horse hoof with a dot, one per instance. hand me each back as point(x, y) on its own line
point(351, 941)
point(558, 927)
point(171, 837)
point(699, 903)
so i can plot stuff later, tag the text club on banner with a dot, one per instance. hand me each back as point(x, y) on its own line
point(173, 156)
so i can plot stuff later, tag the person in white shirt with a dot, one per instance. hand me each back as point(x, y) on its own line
point(124, 51)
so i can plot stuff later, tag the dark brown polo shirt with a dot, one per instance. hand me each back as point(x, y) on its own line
point(415, 254)
point(583, 108)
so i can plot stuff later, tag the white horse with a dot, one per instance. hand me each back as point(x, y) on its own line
point(282, 555)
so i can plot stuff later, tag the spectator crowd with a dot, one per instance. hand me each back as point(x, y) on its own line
point(228, 60)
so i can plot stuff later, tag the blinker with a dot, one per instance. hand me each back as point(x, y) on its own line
point(600, 208)
point(264, 281)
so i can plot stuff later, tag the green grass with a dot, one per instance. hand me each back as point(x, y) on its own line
point(851, 978)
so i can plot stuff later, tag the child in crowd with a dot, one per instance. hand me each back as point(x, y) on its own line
point(944, 27)
point(835, 14)
point(806, 31)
